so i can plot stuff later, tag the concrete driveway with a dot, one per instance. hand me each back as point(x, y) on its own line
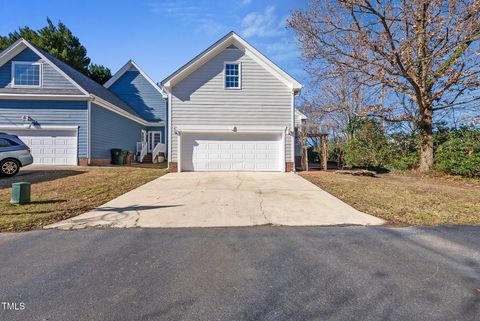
point(222, 199)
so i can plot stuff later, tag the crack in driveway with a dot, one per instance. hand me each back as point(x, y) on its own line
point(262, 210)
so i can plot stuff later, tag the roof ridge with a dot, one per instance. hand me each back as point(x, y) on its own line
point(88, 84)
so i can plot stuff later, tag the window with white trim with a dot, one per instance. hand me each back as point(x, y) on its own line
point(26, 74)
point(232, 76)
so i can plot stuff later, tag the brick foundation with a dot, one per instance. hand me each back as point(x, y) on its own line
point(83, 162)
point(289, 166)
point(173, 167)
point(100, 161)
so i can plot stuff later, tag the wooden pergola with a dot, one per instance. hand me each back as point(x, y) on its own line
point(321, 144)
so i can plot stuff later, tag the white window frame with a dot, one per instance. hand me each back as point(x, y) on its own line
point(40, 74)
point(225, 75)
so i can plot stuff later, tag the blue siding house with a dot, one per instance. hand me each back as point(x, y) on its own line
point(68, 119)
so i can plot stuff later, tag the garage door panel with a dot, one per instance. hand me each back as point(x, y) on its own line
point(51, 147)
point(231, 152)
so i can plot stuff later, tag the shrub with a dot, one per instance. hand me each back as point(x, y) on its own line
point(405, 154)
point(369, 147)
point(459, 153)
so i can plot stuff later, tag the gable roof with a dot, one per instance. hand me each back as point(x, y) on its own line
point(226, 42)
point(22, 44)
point(128, 66)
point(87, 86)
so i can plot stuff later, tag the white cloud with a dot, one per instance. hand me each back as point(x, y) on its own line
point(283, 51)
point(262, 24)
point(180, 9)
point(246, 2)
point(211, 27)
point(197, 16)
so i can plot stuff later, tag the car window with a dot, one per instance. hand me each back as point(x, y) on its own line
point(4, 142)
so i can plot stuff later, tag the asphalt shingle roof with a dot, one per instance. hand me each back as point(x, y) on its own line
point(88, 84)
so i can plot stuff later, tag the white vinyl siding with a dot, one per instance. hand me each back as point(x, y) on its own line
point(200, 99)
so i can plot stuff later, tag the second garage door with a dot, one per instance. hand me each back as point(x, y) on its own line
point(231, 152)
point(50, 147)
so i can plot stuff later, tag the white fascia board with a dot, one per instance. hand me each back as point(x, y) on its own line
point(209, 53)
point(107, 105)
point(118, 74)
point(43, 97)
point(268, 64)
point(125, 68)
point(187, 70)
point(10, 52)
point(299, 114)
point(44, 127)
point(155, 124)
point(194, 63)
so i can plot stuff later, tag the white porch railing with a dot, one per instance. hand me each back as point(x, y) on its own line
point(142, 149)
point(159, 148)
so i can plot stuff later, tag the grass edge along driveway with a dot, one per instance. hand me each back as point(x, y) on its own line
point(406, 199)
point(62, 193)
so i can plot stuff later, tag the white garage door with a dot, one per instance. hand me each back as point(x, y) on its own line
point(231, 152)
point(50, 147)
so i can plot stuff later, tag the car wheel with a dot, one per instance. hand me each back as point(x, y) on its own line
point(9, 167)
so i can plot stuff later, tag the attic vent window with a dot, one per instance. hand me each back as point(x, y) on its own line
point(232, 75)
point(26, 74)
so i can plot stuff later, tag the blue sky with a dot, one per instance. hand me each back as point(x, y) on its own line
point(162, 35)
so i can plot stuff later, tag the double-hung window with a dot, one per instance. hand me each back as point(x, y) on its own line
point(26, 74)
point(232, 75)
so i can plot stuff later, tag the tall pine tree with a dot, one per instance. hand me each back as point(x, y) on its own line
point(60, 42)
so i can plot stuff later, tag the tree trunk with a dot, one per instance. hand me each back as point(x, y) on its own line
point(426, 139)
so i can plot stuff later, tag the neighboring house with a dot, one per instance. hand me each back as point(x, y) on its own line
point(68, 119)
point(231, 109)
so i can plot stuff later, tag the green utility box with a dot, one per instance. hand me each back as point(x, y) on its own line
point(20, 193)
point(116, 156)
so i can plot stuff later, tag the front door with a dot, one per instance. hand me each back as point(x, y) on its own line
point(153, 139)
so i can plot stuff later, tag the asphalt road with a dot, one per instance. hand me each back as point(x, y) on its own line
point(237, 274)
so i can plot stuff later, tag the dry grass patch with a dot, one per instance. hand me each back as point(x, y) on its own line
point(66, 192)
point(407, 198)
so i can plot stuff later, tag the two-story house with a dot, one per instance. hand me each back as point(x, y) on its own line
point(231, 109)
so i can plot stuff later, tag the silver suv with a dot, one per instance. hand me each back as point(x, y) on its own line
point(13, 154)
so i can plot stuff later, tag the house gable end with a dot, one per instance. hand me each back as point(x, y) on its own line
point(133, 88)
point(210, 77)
point(53, 82)
point(230, 41)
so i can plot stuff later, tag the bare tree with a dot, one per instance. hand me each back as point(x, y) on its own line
point(425, 50)
point(341, 99)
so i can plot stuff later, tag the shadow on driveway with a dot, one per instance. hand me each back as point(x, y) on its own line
point(131, 208)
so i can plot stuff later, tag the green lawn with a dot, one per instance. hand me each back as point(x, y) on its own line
point(68, 191)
